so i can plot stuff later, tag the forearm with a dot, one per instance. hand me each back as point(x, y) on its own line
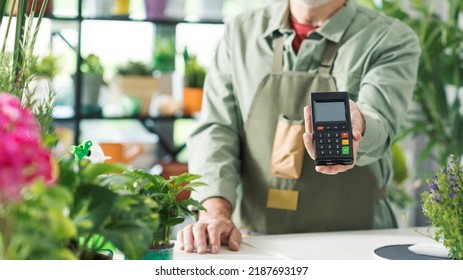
point(385, 94)
point(216, 207)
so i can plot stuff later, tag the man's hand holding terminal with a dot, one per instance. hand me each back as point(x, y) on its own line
point(358, 128)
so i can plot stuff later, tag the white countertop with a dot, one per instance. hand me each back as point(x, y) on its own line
point(341, 245)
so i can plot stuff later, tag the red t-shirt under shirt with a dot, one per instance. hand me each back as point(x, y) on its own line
point(301, 32)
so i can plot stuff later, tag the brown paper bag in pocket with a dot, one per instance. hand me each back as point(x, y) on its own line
point(288, 148)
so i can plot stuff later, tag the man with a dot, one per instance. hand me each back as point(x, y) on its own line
point(248, 141)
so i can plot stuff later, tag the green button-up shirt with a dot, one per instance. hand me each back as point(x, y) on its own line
point(376, 63)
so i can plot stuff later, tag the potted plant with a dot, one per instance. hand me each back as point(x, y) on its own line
point(92, 80)
point(65, 216)
point(121, 8)
point(164, 54)
point(195, 75)
point(47, 66)
point(442, 203)
point(43, 71)
point(164, 62)
point(104, 219)
point(135, 79)
point(173, 197)
point(155, 9)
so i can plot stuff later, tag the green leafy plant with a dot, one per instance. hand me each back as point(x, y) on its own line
point(77, 218)
point(441, 70)
point(164, 55)
point(17, 67)
point(135, 68)
point(67, 216)
point(166, 192)
point(104, 218)
point(443, 205)
point(24, 237)
point(47, 66)
point(91, 64)
point(74, 217)
point(195, 73)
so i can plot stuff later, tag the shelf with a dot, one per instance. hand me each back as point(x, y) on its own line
point(168, 21)
point(154, 118)
point(78, 117)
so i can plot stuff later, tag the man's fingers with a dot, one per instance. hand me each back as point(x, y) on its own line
point(200, 237)
point(308, 143)
point(333, 169)
point(357, 135)
point(188, 238)
point(308, 135)
point(179, 242)
point(215, 232)
point(208, 234)
point(308, 120)
point(235, 239)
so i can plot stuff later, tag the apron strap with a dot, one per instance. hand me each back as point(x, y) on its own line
point(329, 55)
point(278, 55)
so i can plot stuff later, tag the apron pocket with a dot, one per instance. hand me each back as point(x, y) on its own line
point(288, 148)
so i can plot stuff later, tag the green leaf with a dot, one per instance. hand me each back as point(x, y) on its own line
point(92, 171)
point(192, 202)
point(92, 205)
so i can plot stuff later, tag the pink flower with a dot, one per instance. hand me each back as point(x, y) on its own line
point(22, 157)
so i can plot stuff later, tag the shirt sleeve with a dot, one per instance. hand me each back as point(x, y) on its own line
point(214, 145)
point(386, 90)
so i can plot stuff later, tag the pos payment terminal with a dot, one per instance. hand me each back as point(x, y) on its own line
point(332, 130)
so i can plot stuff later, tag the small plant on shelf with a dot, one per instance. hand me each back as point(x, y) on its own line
point(195, 73)
point(135, 68)
point(135, 80)
point(91, 64)
point(164, 55)
point(47, 66)
point(92, 81)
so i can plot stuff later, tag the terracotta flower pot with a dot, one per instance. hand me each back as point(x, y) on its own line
point(48, 8)
point(192, 100)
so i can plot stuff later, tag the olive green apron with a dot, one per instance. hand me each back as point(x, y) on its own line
point(304, 200)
